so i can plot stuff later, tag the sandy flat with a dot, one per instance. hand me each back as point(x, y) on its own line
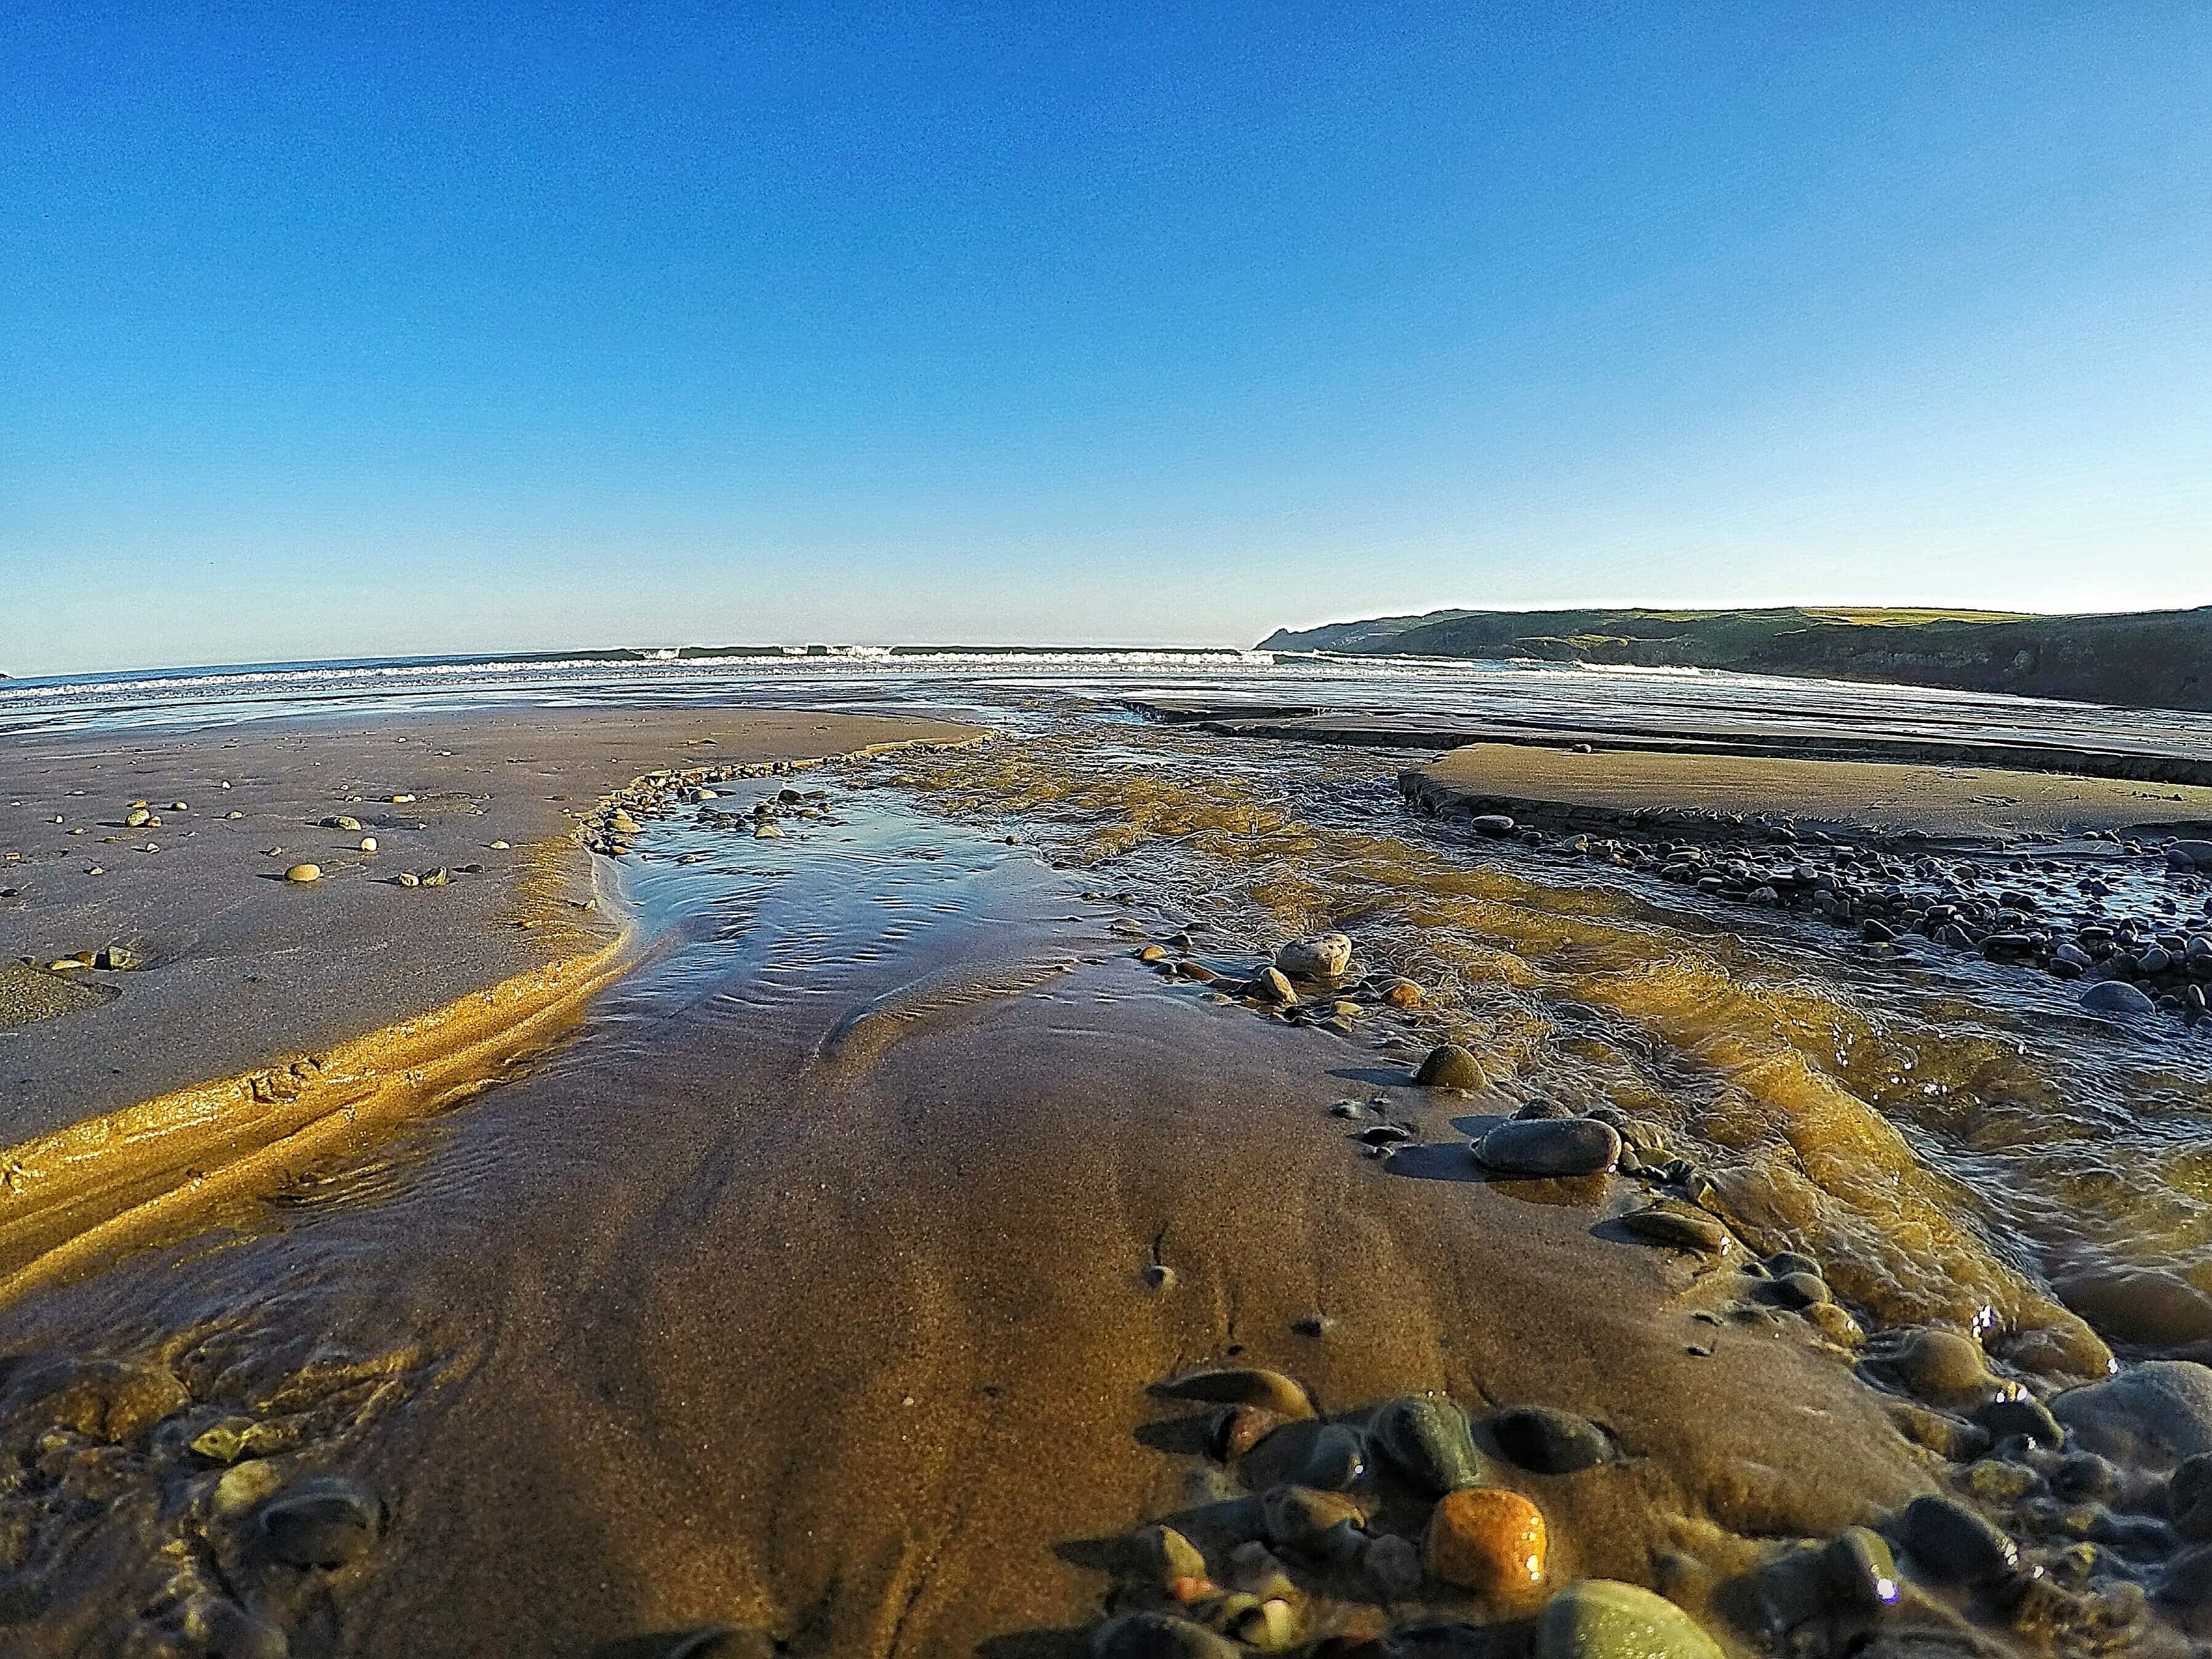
point(1941, 800)
point(242, 967)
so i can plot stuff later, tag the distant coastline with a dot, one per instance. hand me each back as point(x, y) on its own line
point(2156, 659)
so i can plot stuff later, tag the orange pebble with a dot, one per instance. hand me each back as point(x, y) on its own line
point(1192, 1590)
point(1487, 1539)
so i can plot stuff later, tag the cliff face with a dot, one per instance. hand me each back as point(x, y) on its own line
point(2149, 659)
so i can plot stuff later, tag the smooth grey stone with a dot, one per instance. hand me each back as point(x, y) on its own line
point(1801, 1289)
point(2113, 996)
point(2160, 1411)
point(1955, 1545)
point(1676, 1225)
point(1549, 1441)
point(1327, 1456)
point(1326, 957)
point(1425, 1437)
point(2190, 855)
point(2029, 1417)
point(1449, 1065)
point(1492, 823)
point(1563, 1146)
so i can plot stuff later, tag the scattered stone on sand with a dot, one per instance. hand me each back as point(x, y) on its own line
point(1241, 1385)
point(1271, 984)
point(2118, 998)
point(2159, 1412)
point(1404, 993)
point(369, 843)
point(1326, 1456)
point(1326, 956)
point(304, 873)
point(1449, 1065)
point(1600, 1619)
point(768, 829)
point(1163, 1555)
point(1305, 1521)
point(1153, 953)
point(1427, 1439)
point(327, 1523)
point(1492, 823)
point(407, 878)
point(2025, 1419)
point(137, 818)
point(116, 959)
point(1239, 1428)
point(1550, 1146)
point(1956, 1545)
point(1800, 1290)
point(437, 877)
point(498, 846)
point(1158, 1275)
point(1487, 1539)
point(1680, 1225)
point(1549, 1441)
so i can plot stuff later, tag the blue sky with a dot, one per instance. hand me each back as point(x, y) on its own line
point(382, 328)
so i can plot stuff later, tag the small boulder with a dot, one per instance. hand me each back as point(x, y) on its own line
point(1449, 1065)
point(1328, 956)
point(1550, 1146)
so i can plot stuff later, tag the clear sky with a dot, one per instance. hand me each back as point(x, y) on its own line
point(333, 330)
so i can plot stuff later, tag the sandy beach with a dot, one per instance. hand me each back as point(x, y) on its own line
point(809, 1249)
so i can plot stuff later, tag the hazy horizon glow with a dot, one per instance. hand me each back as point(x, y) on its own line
point(346, 330)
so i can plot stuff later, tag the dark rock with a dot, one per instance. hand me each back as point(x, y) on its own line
point(1326, 1456)
point(1956, 1545)
point(2117, 998)
point(2030, 1419)
point(1158, 1635)
point(1861, 1569)
point(1425, 1437)
point(2160, 1411)
point(1677, 1225)
point(1549, 1441)
point(1452, 1067)
point(1568, 1146)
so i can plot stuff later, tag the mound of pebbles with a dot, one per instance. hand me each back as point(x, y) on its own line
point(2098, 909)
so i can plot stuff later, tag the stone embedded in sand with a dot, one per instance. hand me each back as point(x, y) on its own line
point(1327, 1456)
point(1550, 1146)
point(1326, 956)
point(767, 829)
point(407, 878)
point(1939, 1366)
point(342, 822)
point(2118, 998)
point(244, 1485)
point(304, 873)
point(1487, 1539)
point(437, 877)
point(497, 845)
point(1301, 1519)
point(369, 843)
point(1269, 985)
point(2157, 1411)
point(1153, 953)
point(1549, 1441)
point(1427, 1439)
point(1392, 1566)
point(328, 1522)
point(1157, 1636)
point(112, 1400)
point(1240, 1428)
point(1241, 1385)
point(1679, 1225)
point(1600, 1619)
point(1404, 993)
point(1801, 1291)
point(2031, 1420)
point(1956, 1545)
point(1449, 1065)
point(1158, 1275)
point(623, 823)
point(1492, 823)
point(137, 818)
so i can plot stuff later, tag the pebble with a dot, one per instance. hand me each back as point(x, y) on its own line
point(1600, 1618)
point(1158, 1274)
point(369, 843)
point(1861, 1569)
point(2160, 1411)
point(1942, 1367)
point(1680, 1225)
point(1270, 985)
point(437, 877)
point(1487, 1539)
point(328, 1522)
point(1153, 953)
point(498, 846)
point(138, 818)
point(2117, 997)
point(1549, 1441)
point(768, 829)
point(2031, 1420)
point(1240, 1428)
point(1801, 1289)
point(1550, 1146)
point(1302, 1519)
point(1240, 1386)
point(1955, 1545)
point(1404, 993)
point(1449, 1065)
point(304, 873)
point(407, 878)
point(1164, 1555)
point(1158, 1635)
point(1326, 1456)
point(1425, 1437)
point(1492, 823)
point(1327, 955)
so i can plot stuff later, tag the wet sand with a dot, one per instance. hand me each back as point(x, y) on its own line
point(1949, 801)
point(241, 967)
point(821, 1280)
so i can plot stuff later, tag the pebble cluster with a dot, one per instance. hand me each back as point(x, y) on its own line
point(2133, 914)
